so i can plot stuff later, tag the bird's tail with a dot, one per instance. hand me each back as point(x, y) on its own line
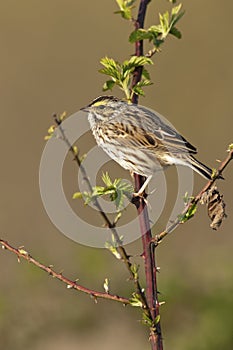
point(200, 168)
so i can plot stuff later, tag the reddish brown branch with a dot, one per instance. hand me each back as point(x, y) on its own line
point(195, 200)
point(148, 252)
point(21, 253)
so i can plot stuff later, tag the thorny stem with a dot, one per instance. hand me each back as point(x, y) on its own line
point(148, 251)
point(121, 250)
point(21, 253)
point(195, 200)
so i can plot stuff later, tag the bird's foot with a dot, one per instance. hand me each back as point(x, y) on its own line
point(137, 197)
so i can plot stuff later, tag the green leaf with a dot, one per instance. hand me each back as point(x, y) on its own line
point(145, 73)
point(167, 22)
point(50, 132)
point(124, 186)
point(135, 300)
point(120, 3)
point(134, 268)
point(87, 197)
point(189, 213)
point(138, 87)
point(164, 21)
point(113, 250)
point(176, 16)
point(158, 33)
point(117, 190)
point(106, 285)
point(157, 319)
point(128, 67)
point(110, 67)
point(146, 320)
point(77, 195)
point(75, 150)
point(139, 61)
point(117, 217)
point(175, 10)
point(140, 34)
point(83, 157)
point(121, 74)
point(126, 7)
point(214, 173)
point(62, 116)
point(144, 82)
point(108, 85)
point(119, 200)
point(51, 129)
point(138, 91)
point(155, 30)
point(106, 179)
point(113, 245)
point(126, 14)
point(187, 198)
point(129, 3)
point(174, 31)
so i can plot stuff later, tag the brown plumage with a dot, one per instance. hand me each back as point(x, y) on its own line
point(138, 139)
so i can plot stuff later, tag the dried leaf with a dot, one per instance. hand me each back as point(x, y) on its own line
point(215, 206)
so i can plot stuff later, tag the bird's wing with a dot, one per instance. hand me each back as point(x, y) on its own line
point(151, 132)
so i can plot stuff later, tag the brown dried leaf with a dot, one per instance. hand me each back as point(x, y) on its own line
point(215, 206)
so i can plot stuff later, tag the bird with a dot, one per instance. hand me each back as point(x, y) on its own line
point(138, 138)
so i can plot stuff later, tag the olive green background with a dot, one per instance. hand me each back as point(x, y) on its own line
point(50, 52)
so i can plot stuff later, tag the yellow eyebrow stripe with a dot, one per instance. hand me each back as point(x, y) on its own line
point(100, 103)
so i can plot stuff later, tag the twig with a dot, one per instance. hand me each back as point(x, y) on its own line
point(21, 253)
point(158, 238)
point(148, 251)
point(121, 250)
point(152, 52)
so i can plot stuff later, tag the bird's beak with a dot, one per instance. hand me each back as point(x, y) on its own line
point(84, 109)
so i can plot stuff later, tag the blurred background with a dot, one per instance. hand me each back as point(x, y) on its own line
point(50, 52)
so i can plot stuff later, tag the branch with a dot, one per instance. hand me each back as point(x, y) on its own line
point(120, 249)
point(158, 238)
point(148, 251)
point(21, 253)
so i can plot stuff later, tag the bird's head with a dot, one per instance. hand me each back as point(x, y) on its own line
point(103, 107)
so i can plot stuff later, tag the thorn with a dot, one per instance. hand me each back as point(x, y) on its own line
point(3, 247)
point(161, 303)
point(95, 298)
point(69, 286)
point(142, 255)
point(153, 191)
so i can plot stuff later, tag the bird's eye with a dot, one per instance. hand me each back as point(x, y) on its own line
point(101, 106)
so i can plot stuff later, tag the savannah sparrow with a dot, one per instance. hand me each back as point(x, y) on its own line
point(138, 139)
